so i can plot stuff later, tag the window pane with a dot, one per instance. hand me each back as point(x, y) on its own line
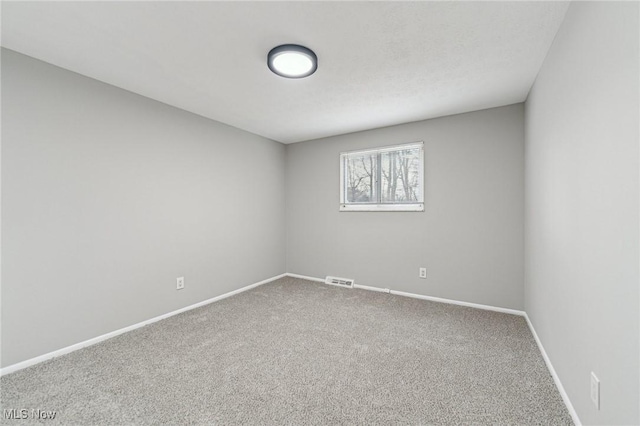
point(360, 178)
point(401, 176)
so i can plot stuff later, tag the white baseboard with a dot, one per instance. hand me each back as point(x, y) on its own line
point(305, 277)
point(420, 296)
point(368, 287)
point(460, 303)
point(556, 379)
point(24, 364)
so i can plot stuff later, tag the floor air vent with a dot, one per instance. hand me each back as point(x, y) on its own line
point(342, 282)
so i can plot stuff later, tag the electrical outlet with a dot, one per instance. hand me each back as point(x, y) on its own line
point(180, 283)
point(423, 273)
point(595, 390)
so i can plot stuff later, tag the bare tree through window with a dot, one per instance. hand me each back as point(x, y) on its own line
point(400, 175)
point(361, 178)
point(383, 177)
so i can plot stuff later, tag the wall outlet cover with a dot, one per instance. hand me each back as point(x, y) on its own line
point(180, 283)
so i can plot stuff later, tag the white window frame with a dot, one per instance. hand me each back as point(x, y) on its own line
point(383, 207)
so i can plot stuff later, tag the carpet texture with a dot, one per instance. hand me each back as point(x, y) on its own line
point(299, 352)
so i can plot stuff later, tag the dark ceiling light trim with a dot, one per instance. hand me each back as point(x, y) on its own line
point(292, 61)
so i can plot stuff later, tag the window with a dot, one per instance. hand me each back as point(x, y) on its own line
point(383, 179)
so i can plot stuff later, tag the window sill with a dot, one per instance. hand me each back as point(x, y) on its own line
point(382, 207)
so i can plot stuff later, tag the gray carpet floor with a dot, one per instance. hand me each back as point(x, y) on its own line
point(299, 352)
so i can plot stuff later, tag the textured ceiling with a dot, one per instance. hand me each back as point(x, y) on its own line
point(380, 63)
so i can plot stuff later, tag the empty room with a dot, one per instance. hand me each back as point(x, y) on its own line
point(325, 213)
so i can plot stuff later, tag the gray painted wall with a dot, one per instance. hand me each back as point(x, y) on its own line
point(582, 208)
point(470, 238)
point(108, 196)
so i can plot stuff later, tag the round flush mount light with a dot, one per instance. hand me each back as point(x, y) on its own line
point(292, 61)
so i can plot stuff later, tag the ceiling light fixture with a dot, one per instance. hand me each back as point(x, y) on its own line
point(292, 61)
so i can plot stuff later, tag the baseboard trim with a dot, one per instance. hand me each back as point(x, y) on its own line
point(63, 351)
point(369, 288)
point(304, 277)
point(460, 303)
point(421, 296)
point(28, 363)
point(554, 375)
